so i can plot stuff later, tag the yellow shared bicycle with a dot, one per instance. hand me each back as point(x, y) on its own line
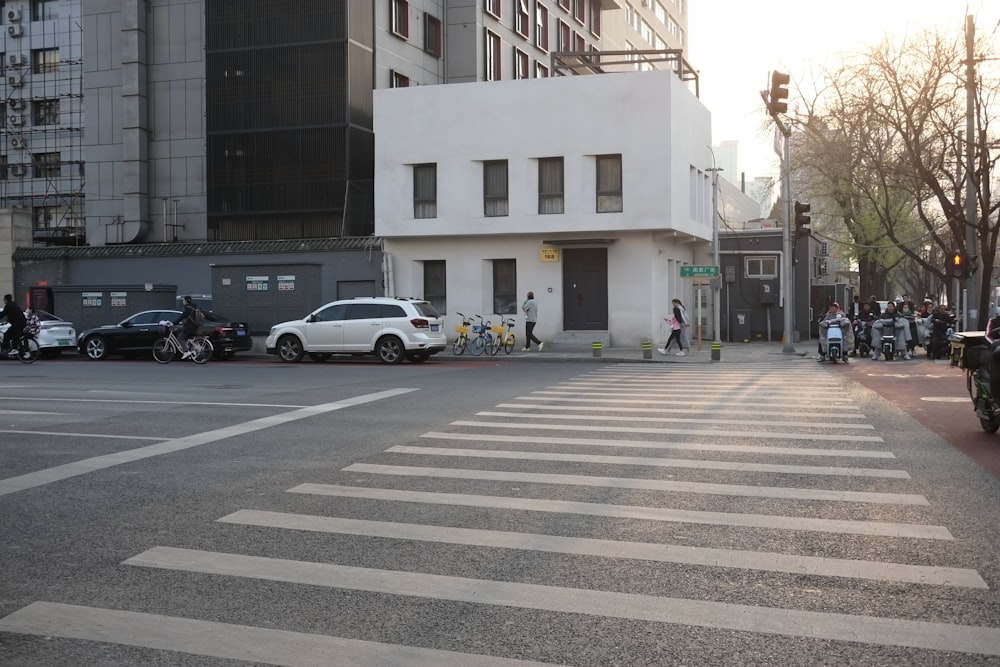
point(504, 337)
point(462, 342)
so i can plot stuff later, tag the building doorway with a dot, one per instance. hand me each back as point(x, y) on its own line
point(585, 286)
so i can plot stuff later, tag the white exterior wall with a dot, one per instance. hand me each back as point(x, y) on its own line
point(662, 133)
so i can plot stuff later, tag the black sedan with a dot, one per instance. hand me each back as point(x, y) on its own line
point(135, 335)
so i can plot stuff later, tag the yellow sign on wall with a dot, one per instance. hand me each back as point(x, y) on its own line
point(548, 254)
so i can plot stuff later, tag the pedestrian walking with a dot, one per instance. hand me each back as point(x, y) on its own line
point(678, 329)
point(530, 308)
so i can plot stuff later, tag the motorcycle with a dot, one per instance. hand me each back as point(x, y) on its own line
point(835, 339)
point(863, 336)
point(977, 359)
point(887, 336)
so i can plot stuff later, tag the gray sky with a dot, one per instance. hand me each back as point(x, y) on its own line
point(736, 43)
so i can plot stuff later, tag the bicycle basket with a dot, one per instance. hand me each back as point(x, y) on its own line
point(165, 329)
point(976, 356)
point(497, 328)
point(478, 328)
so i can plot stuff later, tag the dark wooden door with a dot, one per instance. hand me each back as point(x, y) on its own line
point(585, 286)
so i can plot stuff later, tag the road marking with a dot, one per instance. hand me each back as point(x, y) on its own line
point(83, 435)
point(736, 466)
point(709, 405)
point(241, 643)
point(34, 412)
point(945, 399)
point(150, 402)
point(607, 604)
point(657, 406)
point(42, 477)
point(662, 514)
point(786, 493)
point(706, 421)
point(665, 553)
point(688, 398)
point(647, 444)
point(836, 437)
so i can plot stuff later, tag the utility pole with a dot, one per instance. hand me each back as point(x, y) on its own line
point(717, 281)
point(971, 222)
point(776, 104)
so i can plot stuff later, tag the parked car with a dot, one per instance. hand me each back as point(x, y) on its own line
point(56, 334)
point(134, 336)
point(388, 327)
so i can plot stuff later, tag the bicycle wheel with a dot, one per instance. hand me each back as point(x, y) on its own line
point(27, 351)
point(461, 343)
point(508, 345)
point(495, 343)
point(202, 350)
point(163, 351)
point(477, 346)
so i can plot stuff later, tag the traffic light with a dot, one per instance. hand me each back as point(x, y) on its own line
point(802, 220)
point(958, 264)
point(779, 93)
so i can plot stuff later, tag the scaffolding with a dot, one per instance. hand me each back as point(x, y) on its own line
point(43, 159)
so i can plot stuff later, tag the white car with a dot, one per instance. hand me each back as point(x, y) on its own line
point(55, 336)
point(390, 328)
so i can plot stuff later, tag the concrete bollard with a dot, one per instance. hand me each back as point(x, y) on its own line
point(647, 350)
point(597, 349)
point(716, 351)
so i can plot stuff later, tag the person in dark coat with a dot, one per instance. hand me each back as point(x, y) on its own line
point(14, 316)
point(189, 326)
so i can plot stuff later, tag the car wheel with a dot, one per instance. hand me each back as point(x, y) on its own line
point(389, 350)
point(290, 348)
point(418, 357)
point(320, 356)
point(95, 348)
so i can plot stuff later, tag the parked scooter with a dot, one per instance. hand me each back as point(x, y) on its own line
point(977, 360)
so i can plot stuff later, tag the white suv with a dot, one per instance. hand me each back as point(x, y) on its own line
point(390, 328)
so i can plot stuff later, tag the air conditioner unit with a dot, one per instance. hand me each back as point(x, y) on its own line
point(13, 15)
point(15, 119)
point(15, 30)
point(17, 169)
point(16, 104)
point(16, 59)
point(17, 142)
point(14, 81)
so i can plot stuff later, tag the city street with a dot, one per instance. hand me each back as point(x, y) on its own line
point(496, 512)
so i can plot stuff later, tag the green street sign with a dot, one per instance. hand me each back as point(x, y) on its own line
point(700, 271)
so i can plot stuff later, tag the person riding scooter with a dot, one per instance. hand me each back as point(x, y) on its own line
point(835, 317)
point(893, 323)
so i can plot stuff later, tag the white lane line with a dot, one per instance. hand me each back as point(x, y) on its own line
point(608, 604)
point(103, 436)
point(242, 643)
point(692, 396)
point(41, 477)
point(663, 553)
point(656, 462)
point(648, 444)
point(706, 421)
point(657, 406)
point(785, 493)
point(35, 412)
point(150, 402)
point(835, 437)
point(662, 514)
point(728, 407)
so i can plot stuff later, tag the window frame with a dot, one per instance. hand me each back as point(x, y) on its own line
point(496, 190)
point(399, 18)
point(492, 56)
point(551, 191)
point(436, 269)
point(522, 64)
point(425, 191)
point(432, 35)
point(493, 8)
point(45, 112)
point(522, 18)
point(608, 191)
point(42, 62)
point(46, 165)
point(398, 79)
point(542, 27)
point(504, 286)
point(760, 261)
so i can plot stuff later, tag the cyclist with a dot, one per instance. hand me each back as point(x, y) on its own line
point(15, 317)
point(189, 326)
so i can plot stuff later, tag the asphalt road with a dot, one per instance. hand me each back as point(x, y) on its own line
point(494, 513)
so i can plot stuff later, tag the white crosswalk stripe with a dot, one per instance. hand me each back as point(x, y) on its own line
point(571, 452)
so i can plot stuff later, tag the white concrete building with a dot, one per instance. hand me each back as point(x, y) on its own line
point(590, 191)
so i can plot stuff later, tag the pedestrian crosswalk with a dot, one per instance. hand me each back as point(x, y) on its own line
point(702, 502)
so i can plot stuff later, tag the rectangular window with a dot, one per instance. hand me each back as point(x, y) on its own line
point(522, 64)
point(579, 43)
point(397, 80)
point(505, 286)
point(609, 183)
point(45, 112)
point(46, 165)
point(45, 60)
point(491, 68)
point(541, 71)
point(541, 28)
point(564, 4)
point(3, 163)
point(400, 11)
point(435, 285)
point(595, 18)
point(44, 10)
point(565, 37)
point(580, 10)
point(522, 18)
point(425, 191)
point(550, 185)
point(493, 8)
point(761, 266)
point(432, 35)
point(495, 195)
point(45, 218)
